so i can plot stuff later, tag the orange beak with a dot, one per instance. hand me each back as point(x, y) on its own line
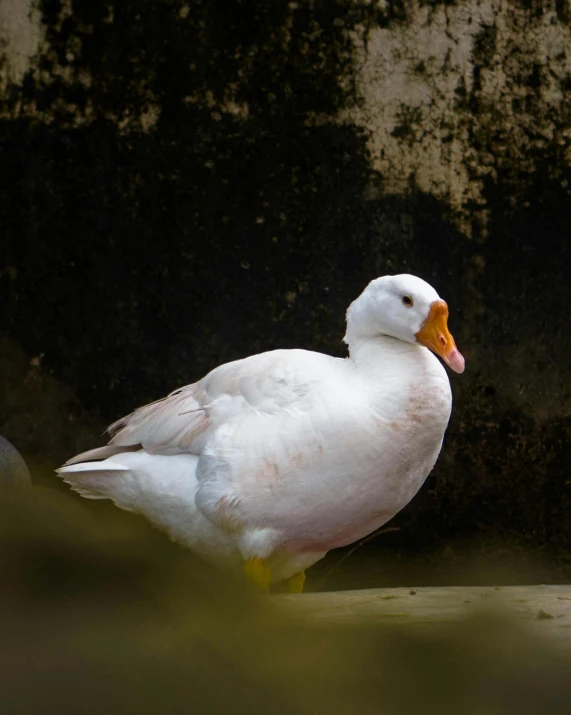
point(435, 336)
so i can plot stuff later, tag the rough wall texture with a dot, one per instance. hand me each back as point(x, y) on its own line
point(457, 96)
point(187, 183)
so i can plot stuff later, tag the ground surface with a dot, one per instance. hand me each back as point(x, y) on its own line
point(546, 608)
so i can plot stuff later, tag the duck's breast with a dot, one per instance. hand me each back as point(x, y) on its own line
point(378, 461)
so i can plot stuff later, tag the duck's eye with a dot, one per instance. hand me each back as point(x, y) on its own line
point(408, 301)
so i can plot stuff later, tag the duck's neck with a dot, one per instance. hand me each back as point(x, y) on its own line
point(381, 351)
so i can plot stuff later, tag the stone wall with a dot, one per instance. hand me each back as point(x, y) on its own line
point(187, 183)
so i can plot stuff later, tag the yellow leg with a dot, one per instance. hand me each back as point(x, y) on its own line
point(295, 583)
point(258, 573)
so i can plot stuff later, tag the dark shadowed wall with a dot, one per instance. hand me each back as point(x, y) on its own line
point(183, 184)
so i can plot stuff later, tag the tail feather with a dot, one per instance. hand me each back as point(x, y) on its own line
point(110, 450)
point(89, 478)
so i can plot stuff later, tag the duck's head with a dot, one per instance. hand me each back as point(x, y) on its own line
point(407, 308)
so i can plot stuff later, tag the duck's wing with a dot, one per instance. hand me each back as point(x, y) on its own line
point(277, 382)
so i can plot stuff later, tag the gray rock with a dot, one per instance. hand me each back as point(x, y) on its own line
point(13, 469)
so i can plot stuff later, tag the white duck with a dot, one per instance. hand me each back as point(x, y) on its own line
point(272, 460)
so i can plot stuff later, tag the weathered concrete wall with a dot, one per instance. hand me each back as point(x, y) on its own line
point(187, 183)
point(458, 95)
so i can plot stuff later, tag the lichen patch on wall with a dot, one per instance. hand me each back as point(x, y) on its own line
point(20, 37)
point(454, 94)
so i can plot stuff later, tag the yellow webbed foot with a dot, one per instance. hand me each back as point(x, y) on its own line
point(294, 584)
point(258, 573)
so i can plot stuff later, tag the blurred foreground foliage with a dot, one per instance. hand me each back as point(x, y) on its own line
point(100, 616)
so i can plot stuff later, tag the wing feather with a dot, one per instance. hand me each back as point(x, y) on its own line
point(270, 383)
